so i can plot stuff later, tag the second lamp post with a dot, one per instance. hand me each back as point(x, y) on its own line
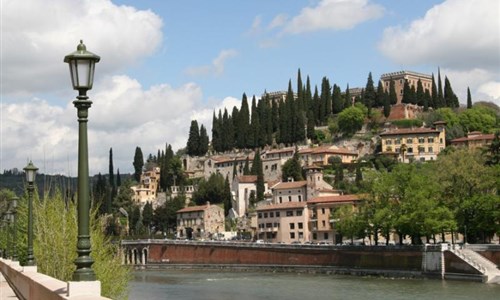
point(30, 171)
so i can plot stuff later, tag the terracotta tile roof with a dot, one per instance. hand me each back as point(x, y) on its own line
point(474, 138)
point(328, 149)
point(286, 205)
point(284, 150)
point(333, 199)
point(290, 185)
point(405, 131)
point(193, 208)
point(247, 179)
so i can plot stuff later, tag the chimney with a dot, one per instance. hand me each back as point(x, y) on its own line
point(290, 179)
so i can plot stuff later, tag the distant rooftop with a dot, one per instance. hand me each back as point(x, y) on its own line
point(403, 73)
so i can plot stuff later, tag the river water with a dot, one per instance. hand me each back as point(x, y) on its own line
point(225, 285)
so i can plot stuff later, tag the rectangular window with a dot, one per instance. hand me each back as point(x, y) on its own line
point(325, 235)
point(301, 235)
point(298, 213)
point(281, 200)
point(269, 225)
point(300, 198)
point(292, 225)
point(265, 215)
point(430, 140)
point(421, 140)
point(289, 198)
point(388, 142)
point(260, 215)
point(271, 215)
point(397, 141)
point(301, 225)
point(409, 141)
point(323, 210)
point(431, 150)
point(292, 235)
point(323, 223)
point(277, 225)
point(289, 213)
point(315, 236)
point(277, 214)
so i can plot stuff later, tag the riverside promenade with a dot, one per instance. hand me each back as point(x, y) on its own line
point(5, 290)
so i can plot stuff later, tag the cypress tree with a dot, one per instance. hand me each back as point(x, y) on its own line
point(311, 134)
point(254, 132)
point(387, 105)
point(216, 142)
point(326, 100)
point(235, 119)
point(138, 164)
point(112, 185)
point(203, 147)
point(469, 98)
point(420, 94)
point(393, 97)
point(246, 168)
point(193, 142)
point(338, 102)
point(257, 170)
point(380, 95)
point(450, 98)
point(243, 123)
point(427, 100)
point(308, 95)
point(347, 97)
point(235, 171)
point(118, 178)
point(369, 96)
point(300, 92)
point(290, 113)
point(406, 92)
point(440, 98)
point(434, 94)
point(227, 197)
point(317, 106)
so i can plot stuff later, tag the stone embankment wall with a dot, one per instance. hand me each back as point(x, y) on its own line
point(382, 258)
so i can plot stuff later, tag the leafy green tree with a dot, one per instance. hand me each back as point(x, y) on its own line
point(347, 222)
point(493, 151)
point(99, 195)
point(138, 164)
point(291, 168)
point(211, 190)
point(147, 215)
point(370, 94)
point(477, 119)
point(165, 216)
point(351, 120)
point(450, 98)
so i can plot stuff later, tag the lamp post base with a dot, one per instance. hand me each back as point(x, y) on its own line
point(87, 288)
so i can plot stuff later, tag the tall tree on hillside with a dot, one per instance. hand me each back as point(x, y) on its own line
point(450, 98)
point(138, 164)
point(246, 167)
point(440, 96)
point(379, 95)
point(112, 181)
point(118, 178)
point(216, 135)
point(203, 146)
point(99, 194)
point(228, 125)
point(338, 102)
point(317, 106)
point(369, 96)
point(193, 141)
point(420, 96)
point(291, 168)
point(258, 170)
point(300, 92)
point(235, 118)
point(347, 97)
point(434, 94)
point(255, 127)
point(227, 197)
point(393, 97)
point(326, 99)
point(469, 98)
point(406, 92)
point(308, 95)
point(311, 133)
point(387, 105)
point(243, 123)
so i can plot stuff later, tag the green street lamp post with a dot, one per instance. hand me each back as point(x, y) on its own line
point(81, 66)
point(13, 204)
point(6, 219)
point(30, 171)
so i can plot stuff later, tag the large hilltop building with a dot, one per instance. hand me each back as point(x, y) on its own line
point(147, 189)
point(401, 77)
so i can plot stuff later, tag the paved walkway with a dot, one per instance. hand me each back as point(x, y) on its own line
point(5, 291)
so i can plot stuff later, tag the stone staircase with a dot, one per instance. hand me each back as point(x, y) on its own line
point(480, 263)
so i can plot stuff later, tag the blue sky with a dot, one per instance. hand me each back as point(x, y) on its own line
point(167, 62)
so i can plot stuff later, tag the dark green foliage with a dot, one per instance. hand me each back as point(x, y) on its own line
point(434, 94)
point(450, 98)
point(246, 168)
point(310, 126)
point(211, 190)
point(325, 100)
point(370, 95)
point(203, 146)
point(420, 95)
point(165, 216)
point(351, 120)
point(337, 100)
point(118, 178)
point(440, 96)
point(393, 97)
point(147, 215)
point(469, 98)
point(380, 95)
point(138, 164)
point(258, 170)
point(227, 197)
point(408, 123)
point(193, 141)
point(243, 124)
point(99, 195)
point(407, 96)
point(387, 105)
point(292, 169)
point(493, 151)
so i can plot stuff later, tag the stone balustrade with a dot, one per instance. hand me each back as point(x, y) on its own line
point(27, 283)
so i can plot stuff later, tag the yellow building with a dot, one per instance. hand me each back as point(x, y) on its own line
point(320, 211)
point(414, 144)
point(474, 140)
point(147, 190)
point(201, 221)
point(319, 156)
point(401, 77)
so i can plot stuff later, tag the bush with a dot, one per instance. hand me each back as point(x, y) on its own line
point(55, 246)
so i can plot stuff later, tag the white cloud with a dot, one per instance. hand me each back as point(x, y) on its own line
point(462, 34)
point(217, 66)
point(256, 25)
point(462, 37)
point(123, 116)
point(37, 35)
point(333, 15)
point(278, 21)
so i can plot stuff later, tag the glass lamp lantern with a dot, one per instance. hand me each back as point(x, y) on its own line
point(30, 171)
point(81, 66)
